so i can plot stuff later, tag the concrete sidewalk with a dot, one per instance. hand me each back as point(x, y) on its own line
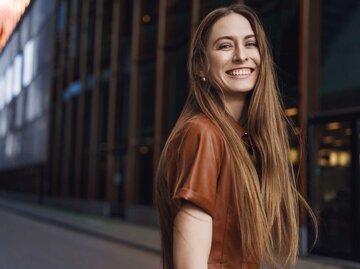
point(116, 230)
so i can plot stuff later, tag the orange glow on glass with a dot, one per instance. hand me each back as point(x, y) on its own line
point(10, 14)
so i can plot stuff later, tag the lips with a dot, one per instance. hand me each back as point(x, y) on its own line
point(245, 71)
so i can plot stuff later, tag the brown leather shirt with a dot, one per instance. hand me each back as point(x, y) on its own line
point(205, 176)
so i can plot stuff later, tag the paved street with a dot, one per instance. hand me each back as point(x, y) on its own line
point(42, 243)
point(25, 243)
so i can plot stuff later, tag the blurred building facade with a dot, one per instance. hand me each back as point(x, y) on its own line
point(90, 89)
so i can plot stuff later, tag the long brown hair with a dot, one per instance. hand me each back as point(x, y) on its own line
point(266, 196)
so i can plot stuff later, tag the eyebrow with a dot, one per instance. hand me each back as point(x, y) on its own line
point(232, 38)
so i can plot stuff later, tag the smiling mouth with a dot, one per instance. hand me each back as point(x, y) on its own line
point(240, 72)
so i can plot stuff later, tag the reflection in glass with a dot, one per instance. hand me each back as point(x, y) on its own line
point(19, 113)
point(17, 75)
point(2, 91)
point(28, 62)
point(8, 84)
point(22, 113)
point(12, 145)
point(331, 188)
point(3, 122)
point(33, 102)
point(60, 18)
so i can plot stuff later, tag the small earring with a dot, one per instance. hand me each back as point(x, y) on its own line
point(203, 79)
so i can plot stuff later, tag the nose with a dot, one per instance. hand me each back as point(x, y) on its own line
point(240, 54)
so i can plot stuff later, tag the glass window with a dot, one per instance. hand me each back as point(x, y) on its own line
point(24, 30)
point(91, 37)
point(74, 35)
point(36, 17)
point(12, 145)
point(17, 74)
point(44, 90)
point(125, 69)
point(33, 101)
point(9, 84)
point(36, 56)
point(3, 122)
point(43, 46)
point(41, 9)
point(331, 191)
point(19, 110)
point(33, 146)
point(28, 63)
point(340, 57)
point(146, 84)
point(2, 91)
point(60, 18)
point(148, 35)
point(176, 52)
point(106, 36)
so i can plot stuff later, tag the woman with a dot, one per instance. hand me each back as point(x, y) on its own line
point(227, 198)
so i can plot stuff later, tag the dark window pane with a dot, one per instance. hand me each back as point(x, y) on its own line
point(331, 187)
point(340, 55)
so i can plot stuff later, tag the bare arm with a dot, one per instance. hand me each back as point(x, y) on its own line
point(192, 238)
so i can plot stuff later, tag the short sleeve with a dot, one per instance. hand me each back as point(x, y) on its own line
point(199, 166)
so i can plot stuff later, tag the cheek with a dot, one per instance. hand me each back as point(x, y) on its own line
point(257, 74)
point(215, 69)
point(256, 57)
point(217, 62)
point(214, 64)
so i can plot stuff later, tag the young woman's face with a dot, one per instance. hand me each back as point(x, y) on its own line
point(233, 54)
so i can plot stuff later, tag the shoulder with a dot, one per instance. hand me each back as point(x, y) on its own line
point(199, 129)
point(201, 125)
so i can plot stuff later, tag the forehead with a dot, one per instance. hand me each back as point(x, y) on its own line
point(232, 24)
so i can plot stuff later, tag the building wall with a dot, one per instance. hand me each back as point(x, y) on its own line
point(24, 91)
point(102, 83)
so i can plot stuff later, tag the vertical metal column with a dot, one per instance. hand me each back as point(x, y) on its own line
point(159, 83)
point(355, 183)
point(79, 144)
point(95, 103)
point(67, 157)
point(314, 52)
point(309, 46)
point(47, 180)
point(111, 191)
point(356, 164)
point(303, 81)
point(133, 122)
point(309, 81)
point(58, 109)
point(195, 13)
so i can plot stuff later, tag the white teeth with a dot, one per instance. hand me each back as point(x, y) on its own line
point(238, 72)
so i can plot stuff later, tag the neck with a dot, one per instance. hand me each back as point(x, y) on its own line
point(235, 104)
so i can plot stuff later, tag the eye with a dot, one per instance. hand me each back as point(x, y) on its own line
point(252, 44)
point(224, 46)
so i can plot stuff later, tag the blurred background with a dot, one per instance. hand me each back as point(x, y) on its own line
point(90, 89)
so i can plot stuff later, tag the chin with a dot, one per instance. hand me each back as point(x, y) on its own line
point(242, 89)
